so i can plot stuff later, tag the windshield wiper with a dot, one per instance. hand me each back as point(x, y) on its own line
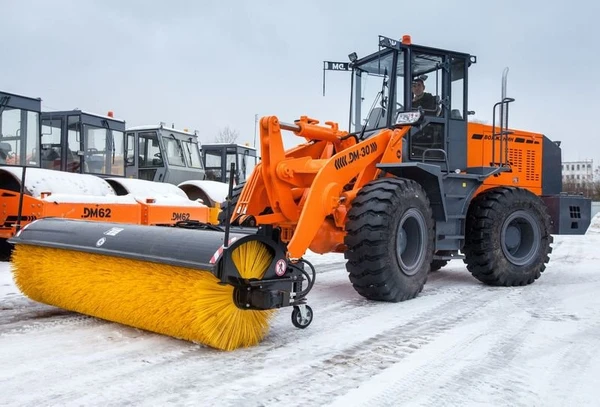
point(177, 143)
point(187, 147)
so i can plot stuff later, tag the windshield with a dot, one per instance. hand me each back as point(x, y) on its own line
point(212, 165)
point(173, 151)
point(371, 91)
point(19, 137)
point(104, 150)
point(149, 150)
point(192, 153)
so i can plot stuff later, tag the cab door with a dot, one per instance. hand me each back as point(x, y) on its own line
point(439, 80)
point(73, 152)
point(51, 146)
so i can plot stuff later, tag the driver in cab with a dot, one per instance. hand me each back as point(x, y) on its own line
point(421, 98)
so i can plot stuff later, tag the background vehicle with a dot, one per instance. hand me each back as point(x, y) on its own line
point(72, 164)
point(218, 157)
point(404, 188)
point(82, 142)
point(19, 129)
point(86, 143)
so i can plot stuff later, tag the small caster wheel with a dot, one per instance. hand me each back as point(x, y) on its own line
point(302, 316)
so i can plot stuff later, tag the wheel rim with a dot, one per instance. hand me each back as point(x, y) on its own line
point(303, 321)
point(520, 238)
point(410, 239)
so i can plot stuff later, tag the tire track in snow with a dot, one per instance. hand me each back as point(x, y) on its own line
point(356, 361)
point(333, 309)
point(497, 373)
point(237, 367)
point(566, 350)
point(365, 359)
point(505, 370)
point(440, 377)
point(503, 375)
point(575, 356)
point(23, 316)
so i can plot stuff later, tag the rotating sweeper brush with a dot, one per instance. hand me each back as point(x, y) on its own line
point(174, 281)
point(182, 281)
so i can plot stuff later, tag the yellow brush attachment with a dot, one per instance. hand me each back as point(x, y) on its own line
point(172, 300)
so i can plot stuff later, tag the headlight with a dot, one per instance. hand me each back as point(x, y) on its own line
point(408, 117)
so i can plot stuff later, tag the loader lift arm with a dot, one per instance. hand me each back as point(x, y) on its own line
point(308, 184)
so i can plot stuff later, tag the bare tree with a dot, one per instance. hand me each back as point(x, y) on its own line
point(589, 189)
point(227, 135)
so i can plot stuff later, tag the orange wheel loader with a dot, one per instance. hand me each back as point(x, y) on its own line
point(410, 186)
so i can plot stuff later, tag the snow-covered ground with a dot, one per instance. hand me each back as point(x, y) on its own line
point(458, 343)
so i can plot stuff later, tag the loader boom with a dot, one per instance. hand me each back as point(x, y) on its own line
point(313, 182)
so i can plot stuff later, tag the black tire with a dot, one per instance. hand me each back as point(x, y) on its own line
point(297, 319)
point(437, 264)
point(508, 237)
point(374, 247)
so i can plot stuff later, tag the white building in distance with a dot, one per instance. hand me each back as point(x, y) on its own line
point(578, 171)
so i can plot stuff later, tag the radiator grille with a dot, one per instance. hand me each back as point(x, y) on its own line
point(515, 159)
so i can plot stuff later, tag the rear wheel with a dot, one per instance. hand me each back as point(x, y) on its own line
point(389, 239)
point(508, 238)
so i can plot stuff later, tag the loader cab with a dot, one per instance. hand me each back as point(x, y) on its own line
point(83, 142)
point(162, 154)
point(19, 130)
point(218, 157)
point(403, 78)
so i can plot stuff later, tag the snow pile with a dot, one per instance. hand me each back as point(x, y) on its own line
point(161, 193)
point(65, 187)
point(149, 189)
point(38, 181)
point(90, 199)
point(217, 191)
point(594, 228)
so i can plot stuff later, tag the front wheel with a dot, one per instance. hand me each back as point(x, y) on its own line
point(507, 240)
point(389, 240)
point(302, 317)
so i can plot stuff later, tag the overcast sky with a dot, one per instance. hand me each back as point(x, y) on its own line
point(210, 64)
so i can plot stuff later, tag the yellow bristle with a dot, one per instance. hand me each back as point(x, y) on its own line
point(171, 300)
